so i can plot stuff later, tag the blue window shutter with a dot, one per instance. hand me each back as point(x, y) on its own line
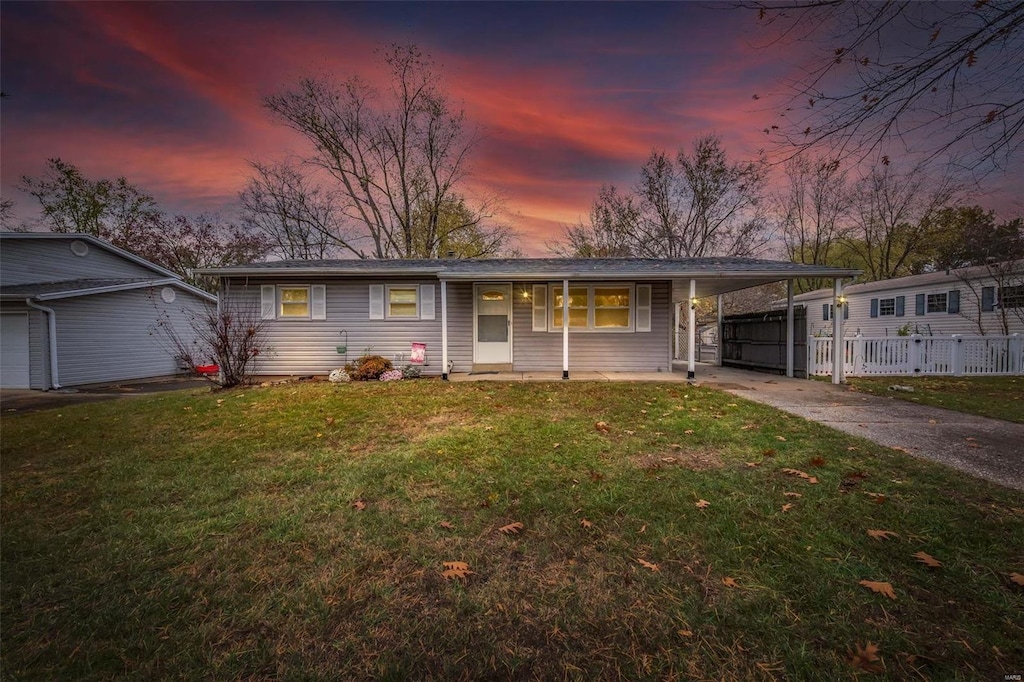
point(919, 304)
point(901, 304)
point(988, 299)
point(824, 311)
point(874, 307)
point(953, 302)
point(846, 311)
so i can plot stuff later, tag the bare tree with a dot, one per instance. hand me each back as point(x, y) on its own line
point(298, 219)
point(230, 336)
point(188, 243)
point(698, 204)
point(7, 214)
point(945, 78)
point(811, 212)
point(397, 157)
point(891, 230)
point(997, 286)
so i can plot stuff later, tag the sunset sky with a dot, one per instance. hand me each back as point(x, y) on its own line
point(568, 95)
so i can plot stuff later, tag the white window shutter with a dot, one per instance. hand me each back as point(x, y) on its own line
point(268, 301)
point(427, 301)
point(376, 301)
point(643, 307)
point(540, 307)
point(318, 301)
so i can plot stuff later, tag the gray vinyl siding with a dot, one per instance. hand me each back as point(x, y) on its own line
point(300, 347)
point(593, 351)
point(26, 261)
point(38, 350)
point(107, 337)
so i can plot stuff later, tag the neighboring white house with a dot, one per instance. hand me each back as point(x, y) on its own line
point(77, 310)
point(982, 300)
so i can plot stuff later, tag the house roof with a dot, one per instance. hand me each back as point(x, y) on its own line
point(46, 291)
point(939, 278)
point(96, 241)
point(716, 275)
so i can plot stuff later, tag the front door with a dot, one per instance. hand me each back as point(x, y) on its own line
point(492, 323)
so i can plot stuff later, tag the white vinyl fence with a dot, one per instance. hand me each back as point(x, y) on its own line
point(921, 355)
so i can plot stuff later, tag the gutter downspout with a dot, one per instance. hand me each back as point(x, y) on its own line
point(51, 319)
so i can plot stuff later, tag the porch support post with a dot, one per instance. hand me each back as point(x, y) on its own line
point(691, 332)
point(838, 345)
point(789, 328)
point(565, 329)
point(721, 327)
point(444, 330)
point(675, 331)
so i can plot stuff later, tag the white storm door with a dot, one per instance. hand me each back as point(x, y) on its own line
point(492, 323)
point(14, 350)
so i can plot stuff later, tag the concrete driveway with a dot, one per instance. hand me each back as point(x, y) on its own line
point(13, 400)
point(987, 448)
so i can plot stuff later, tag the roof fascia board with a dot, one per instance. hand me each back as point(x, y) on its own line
point(125, 287)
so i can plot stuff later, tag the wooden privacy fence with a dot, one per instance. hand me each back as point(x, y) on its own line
point(921, 355)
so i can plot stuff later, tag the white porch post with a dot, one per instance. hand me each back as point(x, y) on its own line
point(838, 345)
point(789, 328)
point(719, 356)
point(444, 330)
point(565, 329)
point(675, 331)
point(691, 332)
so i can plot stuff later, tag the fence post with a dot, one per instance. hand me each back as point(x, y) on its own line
point(915, 354)
point(858, 352)
point(1016, 354)
point(956, 356)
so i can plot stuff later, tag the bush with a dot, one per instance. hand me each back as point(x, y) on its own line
point(368, 368)
point(411, 372)
point(339, 376)
point(391, 375)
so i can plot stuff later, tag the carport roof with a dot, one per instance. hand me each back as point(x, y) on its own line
point(44, 291)
point(713, 275)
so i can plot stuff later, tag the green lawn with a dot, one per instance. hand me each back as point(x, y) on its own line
point(998, 397)
point(300, 531)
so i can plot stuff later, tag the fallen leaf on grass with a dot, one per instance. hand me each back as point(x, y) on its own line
point(648, 565)
point(456, 570)
point(643, 529)
point(768, 452)
point(330, 421)
point(800, 474)
point(668, 460)
point(928, 560)
point(556, 445)
point(359, 505)
point(780, 438)
point(882, 534)
point(586, 524)
point(688, 432)
point(866, 658)
point(446, 525)
point(753, 464)
point(512, 528)
point(879, 588)
point(1017, 578)
point(817, 461)
point(792, 494)
point(787, 507)
point(686, 633)
point(730, 582)
point(702, 504)
point(748, 427)
point(601, 426)
point(877, 498)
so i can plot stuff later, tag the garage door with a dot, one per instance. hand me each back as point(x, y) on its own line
point(14, 350)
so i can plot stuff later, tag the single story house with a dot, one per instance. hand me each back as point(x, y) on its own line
point(981, 300)
point(77, 310)
point(527, 314)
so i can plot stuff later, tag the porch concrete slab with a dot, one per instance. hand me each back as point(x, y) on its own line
point(991, 449)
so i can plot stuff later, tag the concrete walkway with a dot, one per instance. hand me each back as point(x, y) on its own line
point(991, 449)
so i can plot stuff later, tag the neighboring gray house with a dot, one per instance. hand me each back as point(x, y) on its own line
point(480, 315)
point(980, 300)
point(77, 310)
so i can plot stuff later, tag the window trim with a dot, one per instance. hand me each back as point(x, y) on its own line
point(556, 288)
point(387, 301)
point(279, 302)
point(927, 303)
